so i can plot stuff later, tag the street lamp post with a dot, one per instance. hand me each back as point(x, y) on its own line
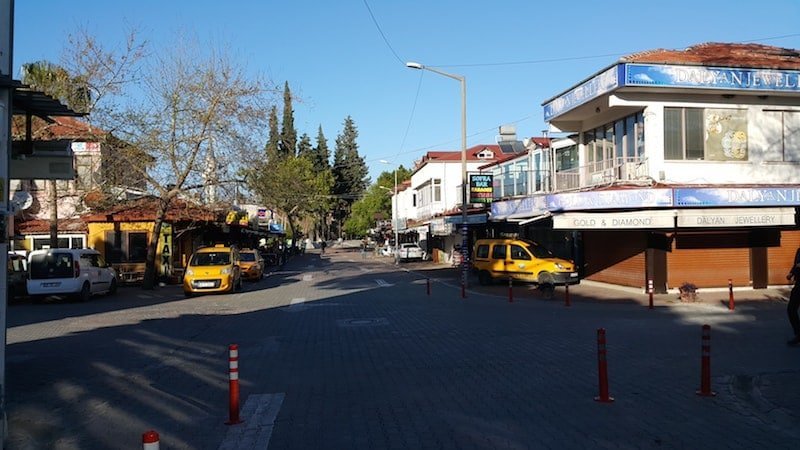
point(464, 200)
point(395, 217)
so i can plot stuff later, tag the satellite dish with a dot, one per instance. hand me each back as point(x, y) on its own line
point(22, 200)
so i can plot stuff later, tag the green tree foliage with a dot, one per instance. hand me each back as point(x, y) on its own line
point(376, 203)
point(288, 133)
point(291, 185)
point(321, 156)
point(304, 147)
point(57, 82)
point(350, 174)
point(274, 137)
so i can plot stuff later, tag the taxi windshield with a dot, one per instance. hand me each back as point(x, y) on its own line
point(211, 259)
point(538, 251)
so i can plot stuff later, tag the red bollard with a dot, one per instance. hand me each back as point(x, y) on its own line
point(233, 377)
point(510, 291)
point(602, 368)
point(463, 290)
point(429, 285)
point(150, 440)
point(566, 295)
point(705, 364)
point(731, 305)
point(650, 292)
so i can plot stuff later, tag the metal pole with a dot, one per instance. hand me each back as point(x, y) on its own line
point(396, 221)
point(464, 200)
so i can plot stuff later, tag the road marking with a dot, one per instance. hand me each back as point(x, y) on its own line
point(297, 304)
point(258, 414)
point(383, 283)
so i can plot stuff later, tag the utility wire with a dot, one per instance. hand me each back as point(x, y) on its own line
point(381, 32)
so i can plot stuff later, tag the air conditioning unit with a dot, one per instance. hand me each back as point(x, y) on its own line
point(632, 170)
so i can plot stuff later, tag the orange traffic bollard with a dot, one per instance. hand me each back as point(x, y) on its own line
point(233, 383)
point(705, 364)
point(510, 291)
point(429, 285)
point(602, 367)
point(731, 305)
point(566, 295)
point(150, 440)
point(650, 292)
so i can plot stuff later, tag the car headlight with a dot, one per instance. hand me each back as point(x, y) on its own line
point(226, 271)
point(189, 272)
point(560, 266)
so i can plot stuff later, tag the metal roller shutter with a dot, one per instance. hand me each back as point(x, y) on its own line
point(615, 257)
point(709, 260)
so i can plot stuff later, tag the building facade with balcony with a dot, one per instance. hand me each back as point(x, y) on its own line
point(680, 166)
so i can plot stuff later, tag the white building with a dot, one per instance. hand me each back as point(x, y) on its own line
point(682, 166)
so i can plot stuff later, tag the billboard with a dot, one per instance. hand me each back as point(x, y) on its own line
point(480, 188)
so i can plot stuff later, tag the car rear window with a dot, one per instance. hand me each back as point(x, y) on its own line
point(211, 259)
point(51, 265)
point(248, 257)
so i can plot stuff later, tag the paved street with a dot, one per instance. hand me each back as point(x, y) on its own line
point(340, 352)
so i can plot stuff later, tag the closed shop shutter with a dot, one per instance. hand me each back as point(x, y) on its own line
point(708, 261)
point(780, 259)
point(615, 257)
point(630, 272)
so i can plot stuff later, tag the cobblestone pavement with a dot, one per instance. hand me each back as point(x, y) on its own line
point(340, 352)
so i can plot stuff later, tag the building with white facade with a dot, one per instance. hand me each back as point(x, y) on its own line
point(681, 166)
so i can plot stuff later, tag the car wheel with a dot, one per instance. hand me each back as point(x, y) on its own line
point(188, 294)
point(84, 294)
point(238, 285)
point(113, 288)
point(484, 278)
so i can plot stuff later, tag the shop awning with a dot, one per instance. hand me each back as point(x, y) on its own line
point(735, 217)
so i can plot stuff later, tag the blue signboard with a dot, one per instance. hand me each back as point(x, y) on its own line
point(589, 89)
point(627, 198)
point(737, 197)
point(711, 77)
point(533, 205)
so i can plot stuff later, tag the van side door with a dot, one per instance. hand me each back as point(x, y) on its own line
point(520, 261)
point(498, 258)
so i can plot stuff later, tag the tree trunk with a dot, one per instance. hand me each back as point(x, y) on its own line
point(149, 281)
point(53, 200)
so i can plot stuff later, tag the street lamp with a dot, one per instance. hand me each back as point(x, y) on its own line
point(463, 81)
point(395, 216)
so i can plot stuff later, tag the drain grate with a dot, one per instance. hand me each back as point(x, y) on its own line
point(362, 322)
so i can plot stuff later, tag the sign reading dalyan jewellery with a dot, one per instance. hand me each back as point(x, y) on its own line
point(760, 217)
point(614, 221)
point(712, 77)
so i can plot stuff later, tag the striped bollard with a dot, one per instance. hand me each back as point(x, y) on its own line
point(602, 368)
point(510, 290)
point(731, 304)
point(233, 377)
point(650, 292)
point(566, 295)
point(428, 282)
point(150, 440)
point(705, 364)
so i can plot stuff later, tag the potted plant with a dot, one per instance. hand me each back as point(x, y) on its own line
point(688, 292)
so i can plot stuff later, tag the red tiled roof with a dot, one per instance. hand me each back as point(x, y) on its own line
point(42, 226)
point(144, 210)
point(61, 128)
point(723, 54)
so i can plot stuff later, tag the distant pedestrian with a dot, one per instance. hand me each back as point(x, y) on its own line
point(322, 245)
point(794, 299)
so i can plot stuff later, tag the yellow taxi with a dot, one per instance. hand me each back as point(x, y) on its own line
point(211, 270)
point(521, 260)
point(251, 264)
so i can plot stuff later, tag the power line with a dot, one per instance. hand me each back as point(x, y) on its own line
point(385, 40)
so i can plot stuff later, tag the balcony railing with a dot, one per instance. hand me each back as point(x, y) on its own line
point(601, 173)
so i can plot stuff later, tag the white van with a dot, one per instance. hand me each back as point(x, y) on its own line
point(78, 273)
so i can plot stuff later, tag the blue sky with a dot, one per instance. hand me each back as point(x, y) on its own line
point(514, 54)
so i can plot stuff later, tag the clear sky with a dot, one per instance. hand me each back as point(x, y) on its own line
point(347, 57)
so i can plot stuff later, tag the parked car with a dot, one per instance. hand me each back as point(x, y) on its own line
point(521, 260)
point(77, 273)
point(410, 250)
point(212, 270)
point(251, 264)
point(17, 275)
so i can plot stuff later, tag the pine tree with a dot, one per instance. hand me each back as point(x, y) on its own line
point(350, 172)
point(271, 148)
point(304, 148)
point(321, 155)
point(288, 133)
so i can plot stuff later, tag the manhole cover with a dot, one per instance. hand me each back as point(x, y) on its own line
point(365, 322)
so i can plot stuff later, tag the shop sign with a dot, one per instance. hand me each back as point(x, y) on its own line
point(440, 228)
point(264, 216)
point(472, 219)
point(480, 188)
point(711, 77)
point(534, 206)
point(624, 198)
point(737, 197)
point(591, 88)
point(761, 217)
point(614, 221)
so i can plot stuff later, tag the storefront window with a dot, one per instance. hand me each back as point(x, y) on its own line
point(781, 130)
point(705, 134)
